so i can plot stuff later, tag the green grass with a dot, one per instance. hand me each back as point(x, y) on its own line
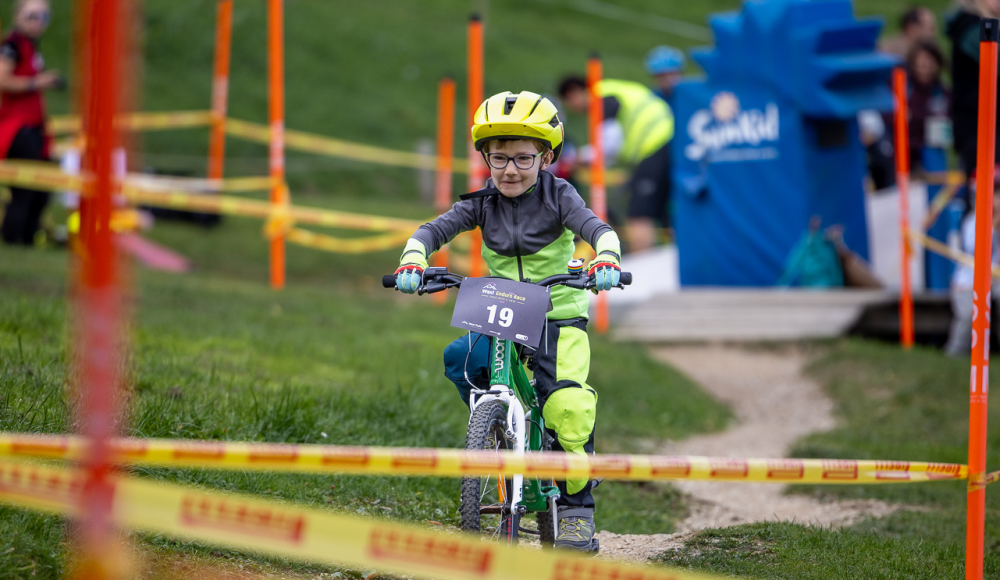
point(218, 355)
point(793, 552)
point(891, 405)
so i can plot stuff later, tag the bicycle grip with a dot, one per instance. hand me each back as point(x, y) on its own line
point(626, 278)
point(389, 281)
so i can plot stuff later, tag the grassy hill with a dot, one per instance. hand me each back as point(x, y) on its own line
point(367, 71)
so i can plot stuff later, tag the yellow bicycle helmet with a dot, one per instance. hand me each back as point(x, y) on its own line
point(526, 115)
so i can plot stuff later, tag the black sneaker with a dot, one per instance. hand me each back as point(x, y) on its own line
point(576, 529)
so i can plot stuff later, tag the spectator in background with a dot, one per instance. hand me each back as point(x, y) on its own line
point(917, 23)
point(666, 65)
point(644, 126)
point(929, 100)
point(963, 31)
point(960, 334)
point(22, 113)
point(878, 149)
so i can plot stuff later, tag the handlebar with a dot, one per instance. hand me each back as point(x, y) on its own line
point(439, 279)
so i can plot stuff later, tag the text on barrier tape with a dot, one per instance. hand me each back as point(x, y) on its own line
point(309, 534)
point(457, 462)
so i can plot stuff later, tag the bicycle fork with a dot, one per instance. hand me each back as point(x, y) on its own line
point(501, 358)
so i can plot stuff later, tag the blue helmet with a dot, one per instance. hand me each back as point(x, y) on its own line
point(664, 59)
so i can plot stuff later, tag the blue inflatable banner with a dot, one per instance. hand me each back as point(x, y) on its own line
point(770, 138)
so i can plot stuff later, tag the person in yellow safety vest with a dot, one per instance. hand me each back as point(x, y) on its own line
point(638, 128)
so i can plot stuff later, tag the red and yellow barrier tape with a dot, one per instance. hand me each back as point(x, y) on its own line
point(148, 121)
point(311, 143)
point(947, 251)
point(365, 245)
point(44, 176)
point(458, 463)
point(312, 535)
point(295, 140)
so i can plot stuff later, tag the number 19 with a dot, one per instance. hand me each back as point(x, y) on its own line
point(506, 315)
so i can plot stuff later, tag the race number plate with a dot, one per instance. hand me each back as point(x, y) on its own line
point(502, 308)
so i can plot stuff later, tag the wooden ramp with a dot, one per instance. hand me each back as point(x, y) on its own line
point(747, 314)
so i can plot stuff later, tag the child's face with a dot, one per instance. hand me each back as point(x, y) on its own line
point(513, 180)
point(925, 68)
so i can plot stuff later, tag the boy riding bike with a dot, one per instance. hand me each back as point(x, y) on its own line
point(528, 220)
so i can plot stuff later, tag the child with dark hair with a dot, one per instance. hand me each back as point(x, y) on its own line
point(929, 100)
point(916, 24)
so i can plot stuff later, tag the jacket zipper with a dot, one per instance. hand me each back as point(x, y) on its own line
point(517, 246)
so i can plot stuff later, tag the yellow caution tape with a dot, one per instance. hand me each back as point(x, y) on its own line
point(45, 176)
point(311, 143)
point(38, 175)
point(149, 121)
point(346, 245)
point(944, 177)
point(312, 535)
point(297, 140)
point(243, 184)
point(992, 477)
point(938, 204)
point(947, 251)
point(612, 177)
point(458, 463)
point(229, 205)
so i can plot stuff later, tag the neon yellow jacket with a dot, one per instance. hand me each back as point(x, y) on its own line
point(646, 119)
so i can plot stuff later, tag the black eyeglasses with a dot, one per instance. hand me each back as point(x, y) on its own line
point(42, 15)
point(522, 161)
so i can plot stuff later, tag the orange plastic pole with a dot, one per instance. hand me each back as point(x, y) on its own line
point(97, 316)
point(598, 202)
point(982, 279)
point(903, 186)
point(220, 89)
point(445, 151)
point(477, 167)
point(276, 78)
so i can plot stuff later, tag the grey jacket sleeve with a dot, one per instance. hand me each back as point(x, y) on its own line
point(579, 218)
point(462, 217)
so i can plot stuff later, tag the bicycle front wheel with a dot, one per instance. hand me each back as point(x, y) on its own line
point(485, 507)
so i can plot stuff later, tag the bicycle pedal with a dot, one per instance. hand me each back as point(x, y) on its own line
point(595, 547)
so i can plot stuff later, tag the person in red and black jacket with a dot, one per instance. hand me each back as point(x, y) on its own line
point(22, 113)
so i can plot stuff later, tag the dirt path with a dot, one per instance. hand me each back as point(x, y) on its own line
point(774, 405)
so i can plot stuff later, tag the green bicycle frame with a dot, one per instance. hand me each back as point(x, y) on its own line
point(506, 369)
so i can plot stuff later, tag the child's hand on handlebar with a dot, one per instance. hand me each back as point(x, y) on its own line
point(605, 271)
point(409, 277)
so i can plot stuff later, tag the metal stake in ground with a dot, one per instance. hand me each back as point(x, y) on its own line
point(903, 187)
point(598, 197)
point(276, 80)
point(220, 89)
point(979, 388)
point(477, 169)
point(443, 163)
point(97, 298)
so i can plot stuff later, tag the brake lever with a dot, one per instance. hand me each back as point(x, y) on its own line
point(431, 288)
